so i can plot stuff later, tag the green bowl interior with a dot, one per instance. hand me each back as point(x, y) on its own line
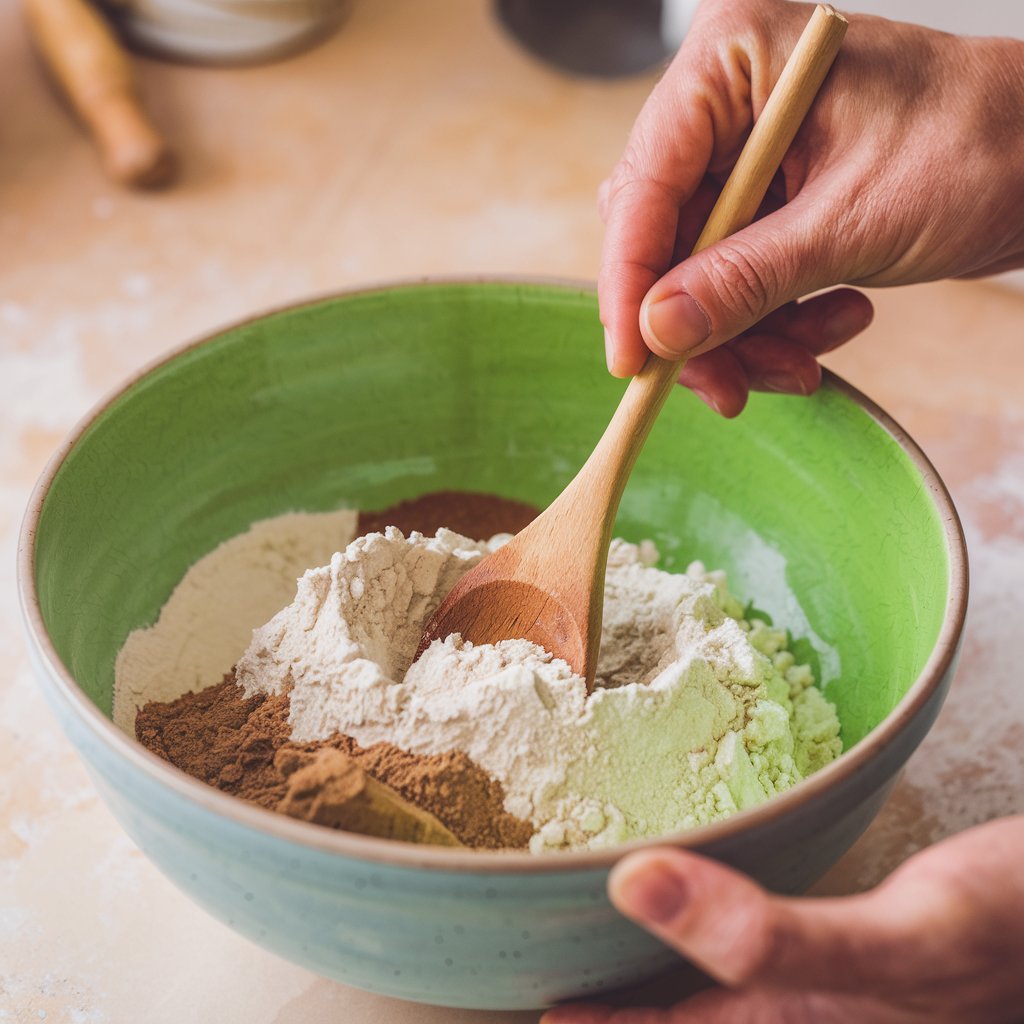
point(821, 519)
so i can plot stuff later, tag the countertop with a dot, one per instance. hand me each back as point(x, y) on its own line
point(417, 140)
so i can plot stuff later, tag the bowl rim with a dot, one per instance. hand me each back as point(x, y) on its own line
point(483, 862)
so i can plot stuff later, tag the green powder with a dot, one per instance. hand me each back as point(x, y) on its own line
point(738, 722)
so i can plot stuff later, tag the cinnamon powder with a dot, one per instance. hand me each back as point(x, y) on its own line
point(479, 516)
point(232, 742)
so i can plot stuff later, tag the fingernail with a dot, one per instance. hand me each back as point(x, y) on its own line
point(652, 893)
point(609, 351)
point(707, 400)
point(676, 323)
point(784, 383)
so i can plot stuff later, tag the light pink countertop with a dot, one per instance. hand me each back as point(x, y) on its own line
point(419, 140)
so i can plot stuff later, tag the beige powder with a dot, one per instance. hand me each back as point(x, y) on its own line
point(207, 622)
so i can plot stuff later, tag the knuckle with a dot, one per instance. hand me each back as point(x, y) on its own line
point(741, 280)
point(615, 277)
point(624, 174)
point(633, 180)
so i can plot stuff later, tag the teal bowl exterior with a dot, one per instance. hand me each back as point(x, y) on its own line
point(460, 928)
point(495, 938)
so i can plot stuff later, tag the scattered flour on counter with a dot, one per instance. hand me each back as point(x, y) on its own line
point(207, 622)
point(695, 712)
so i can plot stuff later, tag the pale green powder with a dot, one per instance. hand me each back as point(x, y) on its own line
point(734, 746)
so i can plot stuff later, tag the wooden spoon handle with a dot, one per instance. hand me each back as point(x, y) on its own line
point(91, 68)
point(771, 137)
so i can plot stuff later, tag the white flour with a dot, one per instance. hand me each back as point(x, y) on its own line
point(695, 712)
point(208, 620)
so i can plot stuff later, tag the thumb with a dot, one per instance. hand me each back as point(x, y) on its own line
point(723, 290)
point(740, 934)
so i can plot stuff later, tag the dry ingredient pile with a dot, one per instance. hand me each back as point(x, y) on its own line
point(695, 713)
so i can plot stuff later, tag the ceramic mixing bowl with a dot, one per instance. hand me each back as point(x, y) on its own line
point(823, 511)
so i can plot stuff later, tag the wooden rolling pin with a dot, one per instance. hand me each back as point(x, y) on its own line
point(94, 72)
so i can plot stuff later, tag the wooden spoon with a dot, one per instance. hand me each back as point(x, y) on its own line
point(547, 583)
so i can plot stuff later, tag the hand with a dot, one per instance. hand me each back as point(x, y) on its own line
point(941, 940)
point(907, 169)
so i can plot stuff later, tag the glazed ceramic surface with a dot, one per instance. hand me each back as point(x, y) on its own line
point(825, 515)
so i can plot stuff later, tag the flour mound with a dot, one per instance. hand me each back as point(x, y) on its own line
point(696, 713)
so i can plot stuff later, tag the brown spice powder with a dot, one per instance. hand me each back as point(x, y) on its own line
point(223, 738)
point(478, 516)
point(330, 788)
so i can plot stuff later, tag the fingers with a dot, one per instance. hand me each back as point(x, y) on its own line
point(822, 323)
point(592, 1013)
point(775, 364)
point(666, 158)
point(692, 218)
point(718, 380)
point(642, 218)
point(766, 1006)
point(725, 289)
point(762, 1006)
point(578, 1013)
point(780, 353)
point(695, 120)
point(940, 941)
point(689, 131)
point(723, 377)
point(743, 936)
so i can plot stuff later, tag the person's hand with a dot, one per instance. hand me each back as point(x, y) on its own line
point(941, 941)
point(907, 169)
